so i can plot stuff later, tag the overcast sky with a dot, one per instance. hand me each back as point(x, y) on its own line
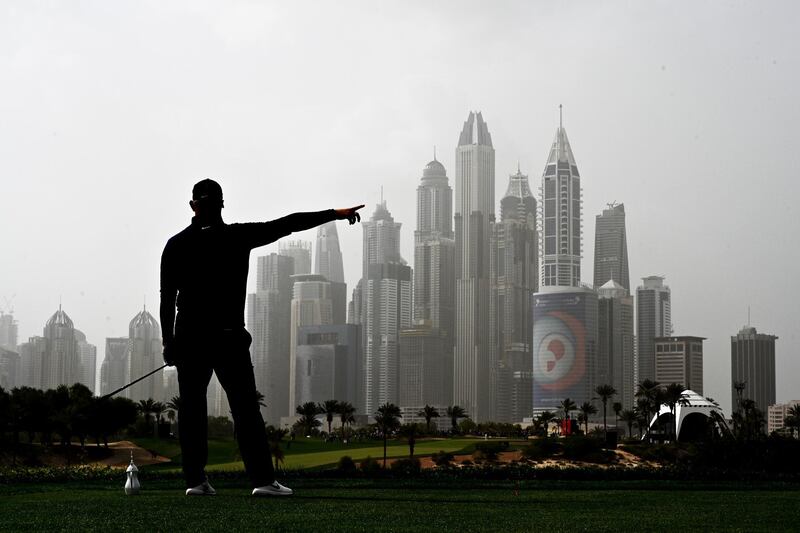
point(685, 111)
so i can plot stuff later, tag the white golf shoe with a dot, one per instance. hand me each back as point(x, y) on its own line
point(273, 489)
point(203, 489)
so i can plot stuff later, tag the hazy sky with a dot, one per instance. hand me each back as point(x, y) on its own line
point(685, 111)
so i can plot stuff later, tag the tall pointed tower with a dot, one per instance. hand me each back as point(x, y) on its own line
point(145, 356)
point(561, 215)
point(474, 213)
point(328, 256)
point(564, 312)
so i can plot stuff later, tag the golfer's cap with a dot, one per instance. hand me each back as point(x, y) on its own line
point(206, 189)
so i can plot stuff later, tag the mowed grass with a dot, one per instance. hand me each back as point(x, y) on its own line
point(348, 505)
point(310, 453)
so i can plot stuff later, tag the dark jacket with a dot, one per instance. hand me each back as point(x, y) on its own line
point(204, 270)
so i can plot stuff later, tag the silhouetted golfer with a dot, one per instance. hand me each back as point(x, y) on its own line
point(204, 271)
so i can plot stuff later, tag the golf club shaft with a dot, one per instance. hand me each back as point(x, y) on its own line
point(110, 394)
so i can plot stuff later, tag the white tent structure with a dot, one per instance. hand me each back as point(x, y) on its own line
point(691, 414)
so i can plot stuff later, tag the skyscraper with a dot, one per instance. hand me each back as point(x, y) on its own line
point(312, 305)
point(329, 364)
point(474, 213)
point(425, 358)
point(561, 216)
point(145, 356)
point(328, 256)
point(386, 306)
point(8, 331)
point(61, 362)
point(328, 263)
point(514, 280)
point(434, 251)
point(115, 367)
point(753, 363)
point(615, 341)
point(680, 360)
point(564, 311)
point(269, 322)
point(87, 357)
point(300, 251)
point(611, 247)
point(654, 319)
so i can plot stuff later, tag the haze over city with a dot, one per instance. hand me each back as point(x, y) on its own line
point(110, 117)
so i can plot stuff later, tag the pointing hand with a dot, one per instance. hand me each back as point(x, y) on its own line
point(349, 213)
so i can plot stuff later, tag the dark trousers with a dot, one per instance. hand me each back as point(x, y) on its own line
point(228, 354)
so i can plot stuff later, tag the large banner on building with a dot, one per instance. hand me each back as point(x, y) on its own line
point(564, 340)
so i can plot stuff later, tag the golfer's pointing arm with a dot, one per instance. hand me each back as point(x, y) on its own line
point(261, 233)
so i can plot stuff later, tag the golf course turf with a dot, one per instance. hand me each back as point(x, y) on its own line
point(403, 505)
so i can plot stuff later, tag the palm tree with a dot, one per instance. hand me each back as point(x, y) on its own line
point(387, 419)
point(146, 408)
point(308, 416)
point(672, 395)
point(587, 409)
point(648, 390)
point(175, 404)
point(617, 408)
point(605, 393)
point(545, 417)
point(274, 437)
point(158, 409)
point(568, 405)
point(428, 413)
point(346, 412)
point(410, 432)
point(330, 409)
point(454, 413)
point(629, 417)
point(642, 411)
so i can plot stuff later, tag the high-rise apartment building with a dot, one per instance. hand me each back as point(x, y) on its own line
point(145, 356)
point(434, 251)
point(653, 319)
point(753, 363)
point(561, 216)
point(611, 247)
point(298, 250)
point(9, 368)
point(474, 213)
point(8, 331)
point(425, 367)
point(328, 263)
point(87, 356)
point(425, 358)
point(269, 322)
point(312, 305)
point(615, 341)
point(116, 365)
point(329, 364)
point(680, 360)
point(385, 307)
point(32, 361)
point(61, 362)
point(514, 278)
point(328, 255)
point(776, 415)
point(564, 311)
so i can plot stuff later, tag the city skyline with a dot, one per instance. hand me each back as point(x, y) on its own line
point(681, 113)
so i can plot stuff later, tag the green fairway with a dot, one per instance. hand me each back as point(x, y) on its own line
point(310, 453)
point(322, 505)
